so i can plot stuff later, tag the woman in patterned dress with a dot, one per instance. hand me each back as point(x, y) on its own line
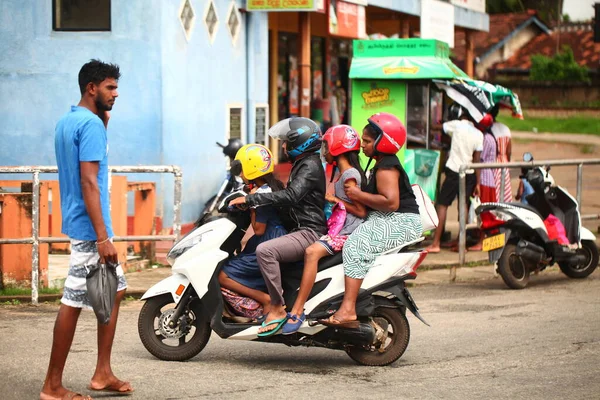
point(393, 217)
point(503, 139)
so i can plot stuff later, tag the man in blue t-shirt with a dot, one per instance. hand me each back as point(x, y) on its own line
point(81, 147)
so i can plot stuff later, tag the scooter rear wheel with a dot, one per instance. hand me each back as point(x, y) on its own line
point(172, 344)
point(395, 323)
point(512, 268)
point(590, 250)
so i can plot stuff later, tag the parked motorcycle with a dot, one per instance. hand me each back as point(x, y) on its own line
point(180, 312)
point(230, 184)
point(518, 240)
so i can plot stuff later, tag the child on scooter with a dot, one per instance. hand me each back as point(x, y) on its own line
point(340, 147)
point(242, 274)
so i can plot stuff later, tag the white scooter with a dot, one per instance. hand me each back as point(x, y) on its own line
point(517, 238)
point(176, 321)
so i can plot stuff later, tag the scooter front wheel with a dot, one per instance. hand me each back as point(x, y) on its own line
point(512, 268)
point(180, 343)
point(583, 270)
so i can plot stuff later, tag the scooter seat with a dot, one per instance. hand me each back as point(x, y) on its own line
point(525, 206)
point(330, 261)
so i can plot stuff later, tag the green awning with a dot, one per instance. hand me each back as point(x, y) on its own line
point(404, 68)
point(403, 59)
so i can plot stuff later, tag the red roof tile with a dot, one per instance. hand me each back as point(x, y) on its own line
point(581, 41)
point(501, 25)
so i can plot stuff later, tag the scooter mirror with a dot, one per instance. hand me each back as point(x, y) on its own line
point(527, 157)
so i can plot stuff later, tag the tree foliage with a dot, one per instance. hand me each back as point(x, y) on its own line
point(561, 67)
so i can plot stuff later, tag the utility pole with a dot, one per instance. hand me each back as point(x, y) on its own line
point(559, 18)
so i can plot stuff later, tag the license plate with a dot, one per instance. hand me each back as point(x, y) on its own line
point(493, 242)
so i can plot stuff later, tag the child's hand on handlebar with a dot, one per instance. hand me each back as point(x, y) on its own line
point(239, 202)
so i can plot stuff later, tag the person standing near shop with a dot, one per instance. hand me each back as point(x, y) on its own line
point(82, 156)
point(465, 148)
point(504, 139)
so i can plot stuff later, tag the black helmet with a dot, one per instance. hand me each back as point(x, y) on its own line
point(456, 111)
point(232, 147)
point(302, 135)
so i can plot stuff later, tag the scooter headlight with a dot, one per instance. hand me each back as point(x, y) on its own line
point(186, 243)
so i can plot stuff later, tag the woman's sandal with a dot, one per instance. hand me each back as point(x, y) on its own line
point(336, 323)
point(292, 327)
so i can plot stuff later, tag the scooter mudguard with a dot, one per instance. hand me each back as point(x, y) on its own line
point(494, 255)
point(586, 234)
point(169, 285)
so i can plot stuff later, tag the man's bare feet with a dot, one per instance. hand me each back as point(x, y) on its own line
point(433, 249)
point(63, 394)
point(112, 385)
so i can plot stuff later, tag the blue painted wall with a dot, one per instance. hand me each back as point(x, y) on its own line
point(174, 92)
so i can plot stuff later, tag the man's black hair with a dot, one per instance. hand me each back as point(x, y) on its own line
point(96, 71)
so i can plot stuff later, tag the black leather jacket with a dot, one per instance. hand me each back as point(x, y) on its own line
point(301, 203)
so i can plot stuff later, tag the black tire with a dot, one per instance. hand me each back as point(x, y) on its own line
point(512, 268)
point(153, 338)
point(590, 250)
point(395, 345)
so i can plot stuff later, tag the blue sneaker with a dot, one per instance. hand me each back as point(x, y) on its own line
point(292, 327)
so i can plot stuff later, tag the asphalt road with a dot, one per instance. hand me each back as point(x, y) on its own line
point(485, 342)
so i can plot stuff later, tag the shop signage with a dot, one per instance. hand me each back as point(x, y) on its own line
point(437, 21)
point(475, 5)
point(284, 5)
point(347, 19)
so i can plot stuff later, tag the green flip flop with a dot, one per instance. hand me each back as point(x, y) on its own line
point(279, 322)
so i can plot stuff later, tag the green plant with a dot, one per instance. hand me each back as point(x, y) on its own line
point(17, 291)
point(13, 302)
point(561, 67)
point(588, 149)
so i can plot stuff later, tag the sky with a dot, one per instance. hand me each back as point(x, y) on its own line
point(579, 9)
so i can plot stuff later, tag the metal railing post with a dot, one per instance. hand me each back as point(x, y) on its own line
point(177, 203)
point(35, 227)
point(579, 184)
point(502, 184)
point(462, 221)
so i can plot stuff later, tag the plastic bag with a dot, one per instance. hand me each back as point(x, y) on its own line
point(429, 217)
point(475, 202)
point(101, 282)
point(556, 229)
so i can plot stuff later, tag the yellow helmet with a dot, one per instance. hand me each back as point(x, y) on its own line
point(256, 160)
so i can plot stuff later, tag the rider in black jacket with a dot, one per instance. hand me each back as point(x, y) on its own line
point(301, 207)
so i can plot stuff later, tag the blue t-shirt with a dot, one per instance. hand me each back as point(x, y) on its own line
point(81, 136)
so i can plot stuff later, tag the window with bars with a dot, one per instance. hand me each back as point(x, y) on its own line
point(187, 16)
point(211, 20)
point(81, 15)
point(233, 21)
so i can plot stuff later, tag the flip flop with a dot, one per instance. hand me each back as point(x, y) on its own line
point(72, 395)
point(113, 388)
point(292, 327)
point(261, 319)
point(279, 322)
point(67, 396)
point(336, 323)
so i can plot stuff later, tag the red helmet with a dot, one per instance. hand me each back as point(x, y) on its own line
point(391, 133)
point(341, 139)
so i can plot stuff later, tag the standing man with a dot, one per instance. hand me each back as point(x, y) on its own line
point(82, 157)
point(465, 148)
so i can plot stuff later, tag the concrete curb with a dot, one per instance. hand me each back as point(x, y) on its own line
point(43, 298)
